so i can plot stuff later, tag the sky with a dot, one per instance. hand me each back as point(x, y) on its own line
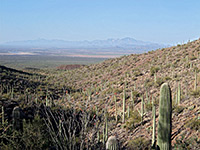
point(160, 21)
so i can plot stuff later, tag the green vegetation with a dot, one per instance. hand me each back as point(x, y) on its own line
point(178, 109)
point(153, 70)
point(189, 144)
point(193, 124)
point(139, 143)
point(134, 119)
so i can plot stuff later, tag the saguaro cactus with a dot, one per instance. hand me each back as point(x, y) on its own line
point(17, 118)
point(36, 99)
point(191, 65)
point(124, 106)
point(132, 100)
point(165, 118)
point(47, 101)
point(115, 99)
point(106, 124)
point(155, 78)
point(98, 136)
point(2, 112)
point(154, 126)
point(128, 110)
point(195, 81)
point(12, 92)
point(179, 93)
point(112, 143)
point(141, 111)
point(103, 140)
point(60, 127)
point(105, 127)
point(147, 97)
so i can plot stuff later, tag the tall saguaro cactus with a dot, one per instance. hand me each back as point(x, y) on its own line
point(132, 99)
point(106, 124)
point(124, 106)
point(154, 126)
point(141, 111)
point(12, 92)
point(165, 118)
point(116, 116)
point(195, 81)
point(2, 112)
point(179, 93)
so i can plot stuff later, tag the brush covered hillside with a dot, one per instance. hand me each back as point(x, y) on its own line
point(83, 107)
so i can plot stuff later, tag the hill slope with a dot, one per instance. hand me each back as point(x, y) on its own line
point(93, 89)
point(175, 65)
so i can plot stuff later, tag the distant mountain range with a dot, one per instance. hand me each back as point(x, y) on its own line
point(109, 44)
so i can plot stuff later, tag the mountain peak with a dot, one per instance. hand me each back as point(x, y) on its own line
point(128, 39)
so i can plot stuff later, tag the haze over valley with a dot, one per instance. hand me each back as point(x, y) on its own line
point(98, 48)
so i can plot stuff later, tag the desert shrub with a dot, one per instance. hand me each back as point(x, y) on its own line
point(167, 78)
point(134, 119)
point(156, 101)
point(193, 124)
point(153, 70)
point(167, 66)
point(189, 144)
point(76, 95)
point(193, 57)
point(159, 81)
point(137, 72)
point(148, 83)
point(139, 143)
point(187, 65)
point(177, 109)
point(134, 78)
point(178, 45)
point(148, 106)
point(195, 93)
point(118, 90)
point(34, 136)
point(136, 94)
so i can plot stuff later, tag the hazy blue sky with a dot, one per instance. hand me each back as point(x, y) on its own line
point(162, 21)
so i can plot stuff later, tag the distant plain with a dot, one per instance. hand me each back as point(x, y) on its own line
point(44, 62)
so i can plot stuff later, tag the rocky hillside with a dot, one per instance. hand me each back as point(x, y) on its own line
point(101, 88)
point(143, 74)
